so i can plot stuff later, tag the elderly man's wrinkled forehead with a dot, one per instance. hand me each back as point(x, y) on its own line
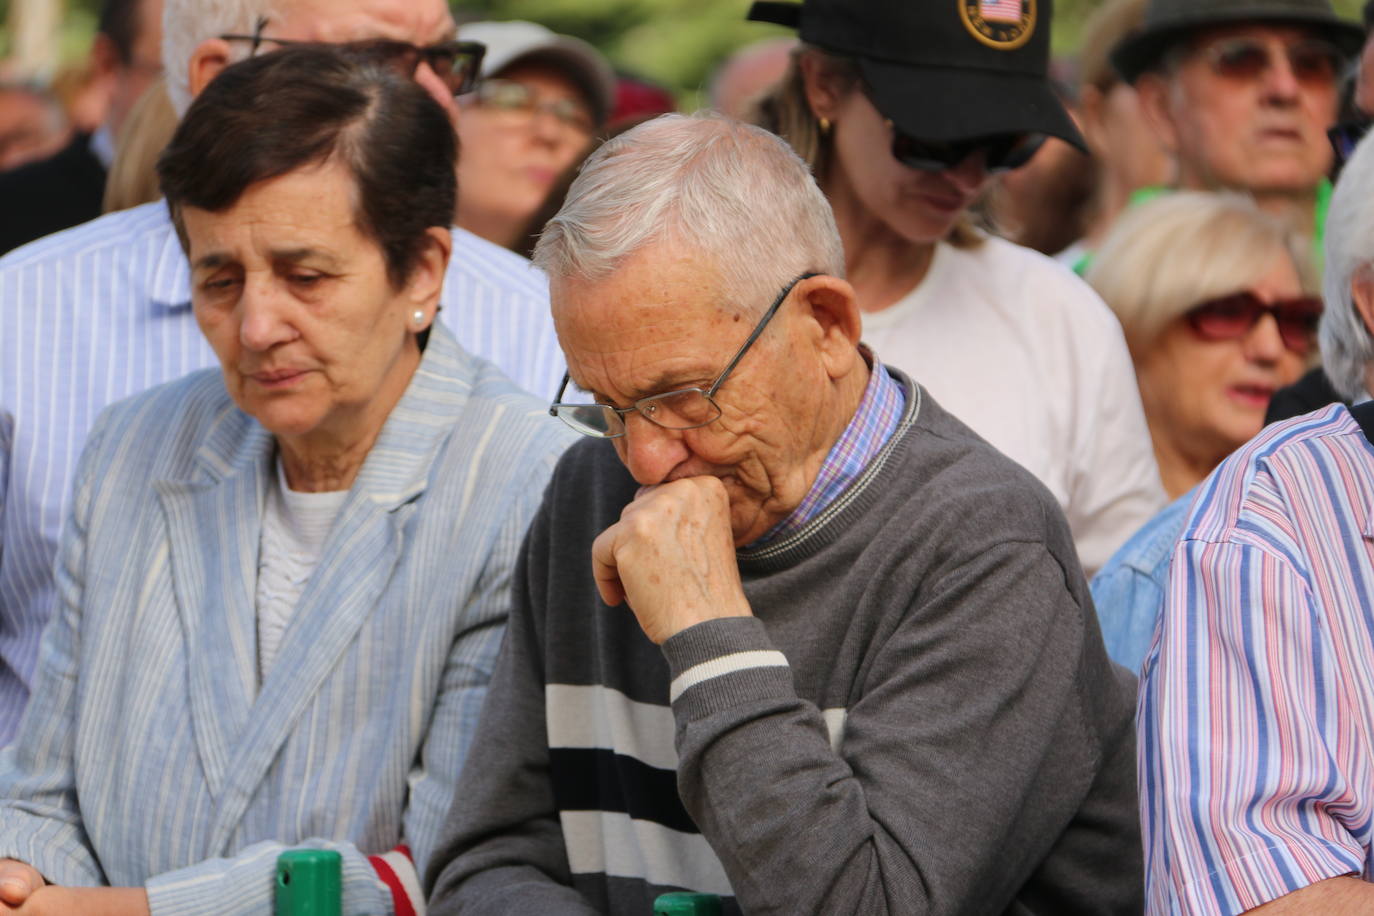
point(336, 21)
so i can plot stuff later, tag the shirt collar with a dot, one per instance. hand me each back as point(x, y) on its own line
point(873, 423)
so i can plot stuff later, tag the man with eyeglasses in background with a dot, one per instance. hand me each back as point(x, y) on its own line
point(533, 116)
point(859, 670)
point(1242, 92)
point(102, 311)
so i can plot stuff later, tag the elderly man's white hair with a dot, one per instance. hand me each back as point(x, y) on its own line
point(1346, 344)
point(186, 23)
point(733, 193)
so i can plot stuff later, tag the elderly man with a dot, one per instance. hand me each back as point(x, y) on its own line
point(1256, 725)
point(1241, 92)
point(858, 668)
point(103, 311)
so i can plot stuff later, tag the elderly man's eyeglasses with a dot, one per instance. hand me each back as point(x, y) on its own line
point(1231, 317)
point(456, 63)
point(1002, 153)
point(683, 408)
point(1314, 62)
point(517, 101)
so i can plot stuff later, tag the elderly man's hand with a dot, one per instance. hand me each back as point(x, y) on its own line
point(672, 557)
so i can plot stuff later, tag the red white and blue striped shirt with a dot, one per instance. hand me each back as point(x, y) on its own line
point(1256, 709)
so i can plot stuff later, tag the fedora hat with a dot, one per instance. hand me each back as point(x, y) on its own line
point(1166, 21)
point(942, 70)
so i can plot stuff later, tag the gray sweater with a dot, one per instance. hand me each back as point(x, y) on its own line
point(919, 718)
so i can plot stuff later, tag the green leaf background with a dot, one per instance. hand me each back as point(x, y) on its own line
point(675, 42)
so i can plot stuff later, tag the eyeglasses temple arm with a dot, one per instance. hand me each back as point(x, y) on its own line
point(557, 398)
point(758, 329)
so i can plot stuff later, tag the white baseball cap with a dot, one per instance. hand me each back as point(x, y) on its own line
point(517, 42)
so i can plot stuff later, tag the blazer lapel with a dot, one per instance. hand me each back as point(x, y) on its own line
point(213, 524)
point(360, 558)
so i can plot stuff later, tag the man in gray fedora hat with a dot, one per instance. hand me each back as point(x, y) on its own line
point(1242, 92)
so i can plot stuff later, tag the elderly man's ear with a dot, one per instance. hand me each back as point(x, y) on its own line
point(833, 310)
point(207, 60)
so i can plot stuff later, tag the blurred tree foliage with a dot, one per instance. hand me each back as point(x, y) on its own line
point(675, 42)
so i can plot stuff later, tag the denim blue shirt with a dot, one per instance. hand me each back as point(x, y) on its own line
point(1129, 590)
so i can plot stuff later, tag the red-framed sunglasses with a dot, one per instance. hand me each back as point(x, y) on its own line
point(1231, 317)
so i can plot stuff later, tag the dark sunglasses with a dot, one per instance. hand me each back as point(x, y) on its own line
point(1313, 62)
point(1231, 317)
point(457, 63)
point(1002, 152)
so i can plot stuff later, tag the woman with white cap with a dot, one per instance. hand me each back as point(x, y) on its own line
point(541, 101)
point(905, 112)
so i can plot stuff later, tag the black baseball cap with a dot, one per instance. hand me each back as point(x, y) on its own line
point(942, 70)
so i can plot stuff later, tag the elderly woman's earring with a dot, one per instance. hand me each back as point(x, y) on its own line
point(825, 126)
point(418, 318)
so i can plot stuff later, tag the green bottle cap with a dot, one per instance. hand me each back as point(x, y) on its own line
point(309, 883)
point(685, 904)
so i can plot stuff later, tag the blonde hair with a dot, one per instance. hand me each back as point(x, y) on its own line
point(787, 112)
point(146, 132)
point(1167, 255)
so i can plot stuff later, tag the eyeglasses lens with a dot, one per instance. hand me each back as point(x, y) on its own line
point(518, 99)
point(591, 419)
point(685, 409)
point(1314, 63)
point(453, 62)
point(1231, 317)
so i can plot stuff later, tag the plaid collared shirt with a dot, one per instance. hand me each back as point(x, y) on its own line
point(879, 411)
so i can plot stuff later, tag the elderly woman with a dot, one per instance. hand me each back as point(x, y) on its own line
point(282, 585)
point(1212, 294)
point(541, 101)
point(905, 112)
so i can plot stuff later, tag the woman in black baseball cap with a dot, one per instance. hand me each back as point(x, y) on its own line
point(905, 112)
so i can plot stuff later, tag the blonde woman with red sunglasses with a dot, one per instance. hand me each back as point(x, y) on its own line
point(1215, 298)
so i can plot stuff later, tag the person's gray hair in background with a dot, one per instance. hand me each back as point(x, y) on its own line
point(674, 180)
point(1347, 344)
point(186, 23)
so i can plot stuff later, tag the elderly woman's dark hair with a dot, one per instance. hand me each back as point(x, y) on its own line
point(272, 114)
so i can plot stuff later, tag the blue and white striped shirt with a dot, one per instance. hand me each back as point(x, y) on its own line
point(102, 311)
point(1256, 710)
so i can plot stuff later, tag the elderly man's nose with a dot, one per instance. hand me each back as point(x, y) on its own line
point(650, 452)
point(1279, 80)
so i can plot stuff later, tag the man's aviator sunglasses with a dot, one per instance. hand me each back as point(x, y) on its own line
point(682, 408)
point(456, 63)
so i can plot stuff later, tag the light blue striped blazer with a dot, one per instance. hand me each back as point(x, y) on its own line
point(150, 755)
point(102, 311)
